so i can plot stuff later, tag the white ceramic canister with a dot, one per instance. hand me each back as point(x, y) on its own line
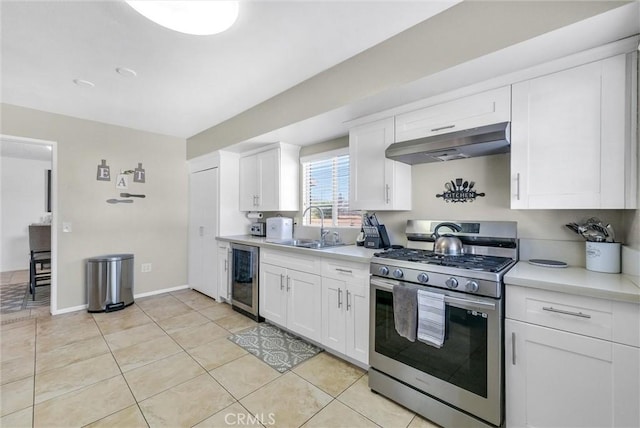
point(603, 256)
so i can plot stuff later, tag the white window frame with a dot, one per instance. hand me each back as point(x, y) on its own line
point(314, 158)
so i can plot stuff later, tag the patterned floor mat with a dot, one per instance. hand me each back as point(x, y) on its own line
point(16, 297)
point(275, 347)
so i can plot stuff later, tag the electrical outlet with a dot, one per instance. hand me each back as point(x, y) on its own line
point(146, 267)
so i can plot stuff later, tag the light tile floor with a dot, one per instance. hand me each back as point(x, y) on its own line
point(166, 361)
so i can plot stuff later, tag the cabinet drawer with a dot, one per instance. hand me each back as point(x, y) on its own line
point(344, 270)
point(291, 260)
point(469, 112)
point(576, 314)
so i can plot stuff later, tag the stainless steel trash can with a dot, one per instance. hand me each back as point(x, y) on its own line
point(109, 282)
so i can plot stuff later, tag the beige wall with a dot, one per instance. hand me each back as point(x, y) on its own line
point(491, 176)
point(154, 229)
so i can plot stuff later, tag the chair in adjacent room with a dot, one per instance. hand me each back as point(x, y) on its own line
point(40, 257)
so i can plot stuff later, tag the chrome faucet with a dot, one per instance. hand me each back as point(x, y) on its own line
point(323, 232)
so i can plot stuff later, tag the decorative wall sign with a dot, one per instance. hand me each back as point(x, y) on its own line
point(122, 181)
point(459, 190)
point(139, 174)
point(103, 172)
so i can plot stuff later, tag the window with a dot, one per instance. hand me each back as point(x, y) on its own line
point(326, 186)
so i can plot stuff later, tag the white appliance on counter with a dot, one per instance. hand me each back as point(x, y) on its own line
point(279, 228)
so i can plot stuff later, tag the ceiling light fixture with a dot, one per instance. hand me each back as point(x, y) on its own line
point(191, 17)
point(85, 83)
point(126, 72)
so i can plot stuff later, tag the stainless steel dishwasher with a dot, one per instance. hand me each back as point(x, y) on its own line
point(245, 265)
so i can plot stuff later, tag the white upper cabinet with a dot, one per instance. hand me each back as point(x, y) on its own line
point(377, 183)
point(485, 108)
point(571, 138)
point(269, 180)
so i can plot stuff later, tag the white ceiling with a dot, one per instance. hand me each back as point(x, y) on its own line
point(184, 84)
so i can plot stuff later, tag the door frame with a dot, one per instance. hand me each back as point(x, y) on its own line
point(53, 308)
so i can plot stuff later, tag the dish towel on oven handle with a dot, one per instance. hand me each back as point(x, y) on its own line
point(431, 322)
point(405, 311)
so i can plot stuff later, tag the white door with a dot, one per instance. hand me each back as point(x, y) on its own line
point(568, 138)
point(357, 322)
point(249, 180)
point(203, 225)
point(268, 165)
point(272, 293)
point(368, 164)
point(224, 292)
point(303, 306)
point(333, 313)
point(560, 379)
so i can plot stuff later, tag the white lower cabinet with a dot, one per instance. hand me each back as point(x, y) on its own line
point(289, 297)
point(224, 258)
point(556, 377)
point(345, 309)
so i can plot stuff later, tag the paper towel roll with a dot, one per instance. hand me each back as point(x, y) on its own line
point(254, 215)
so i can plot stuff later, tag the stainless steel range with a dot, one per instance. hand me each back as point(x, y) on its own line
point(458, 382)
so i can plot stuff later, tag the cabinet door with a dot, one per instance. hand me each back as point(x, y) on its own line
point(203, 223)
point(469, 112)
point(374, 178)
point(304, 304)
point(560, 379)
point(273, 295)
point(269, 180)
point(333, 314)
point(569, 138)
point(249, 180)
point(357, 321)
point(224, 293)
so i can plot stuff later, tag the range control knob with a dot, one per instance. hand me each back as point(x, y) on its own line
point(451, 282)
point(423, 277)
point(397, 273)
point(383, 270)
point(472, 286)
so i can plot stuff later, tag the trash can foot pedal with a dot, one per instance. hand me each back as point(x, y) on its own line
point(110, 307)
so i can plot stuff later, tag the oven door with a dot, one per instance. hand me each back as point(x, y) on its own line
point(466, 372)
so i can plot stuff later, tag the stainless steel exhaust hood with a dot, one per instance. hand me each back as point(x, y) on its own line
point(481, 141)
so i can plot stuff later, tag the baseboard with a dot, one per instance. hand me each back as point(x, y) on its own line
point(164, 290)
point(135, 296)
point(71, 309)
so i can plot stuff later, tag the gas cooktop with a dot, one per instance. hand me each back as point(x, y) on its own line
point(474, 262)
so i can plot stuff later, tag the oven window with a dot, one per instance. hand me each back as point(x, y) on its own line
point(462, 360)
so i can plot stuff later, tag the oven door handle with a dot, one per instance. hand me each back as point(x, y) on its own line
point(456, 301)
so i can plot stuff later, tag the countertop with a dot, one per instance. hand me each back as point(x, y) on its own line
point(342, 252)
point(574, 280)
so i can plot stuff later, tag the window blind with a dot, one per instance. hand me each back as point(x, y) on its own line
point(326, 185)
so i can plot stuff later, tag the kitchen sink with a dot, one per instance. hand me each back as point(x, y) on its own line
point(305, 243)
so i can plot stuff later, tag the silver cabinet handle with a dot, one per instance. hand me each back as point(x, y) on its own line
point(517, 186)
point(201, 230)
point(226, 265)
point(281, 282)
point(443, 127)
point(387, 192)
point(560, 311)
point(348, 304)
point(288, 281)
point(339, 298)
point(513, 348)
point(344, 270)
point(257, 200)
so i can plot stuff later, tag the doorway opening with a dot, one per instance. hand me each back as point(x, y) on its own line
point(29, 210)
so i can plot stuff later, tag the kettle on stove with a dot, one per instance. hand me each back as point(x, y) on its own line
point(447, 244)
